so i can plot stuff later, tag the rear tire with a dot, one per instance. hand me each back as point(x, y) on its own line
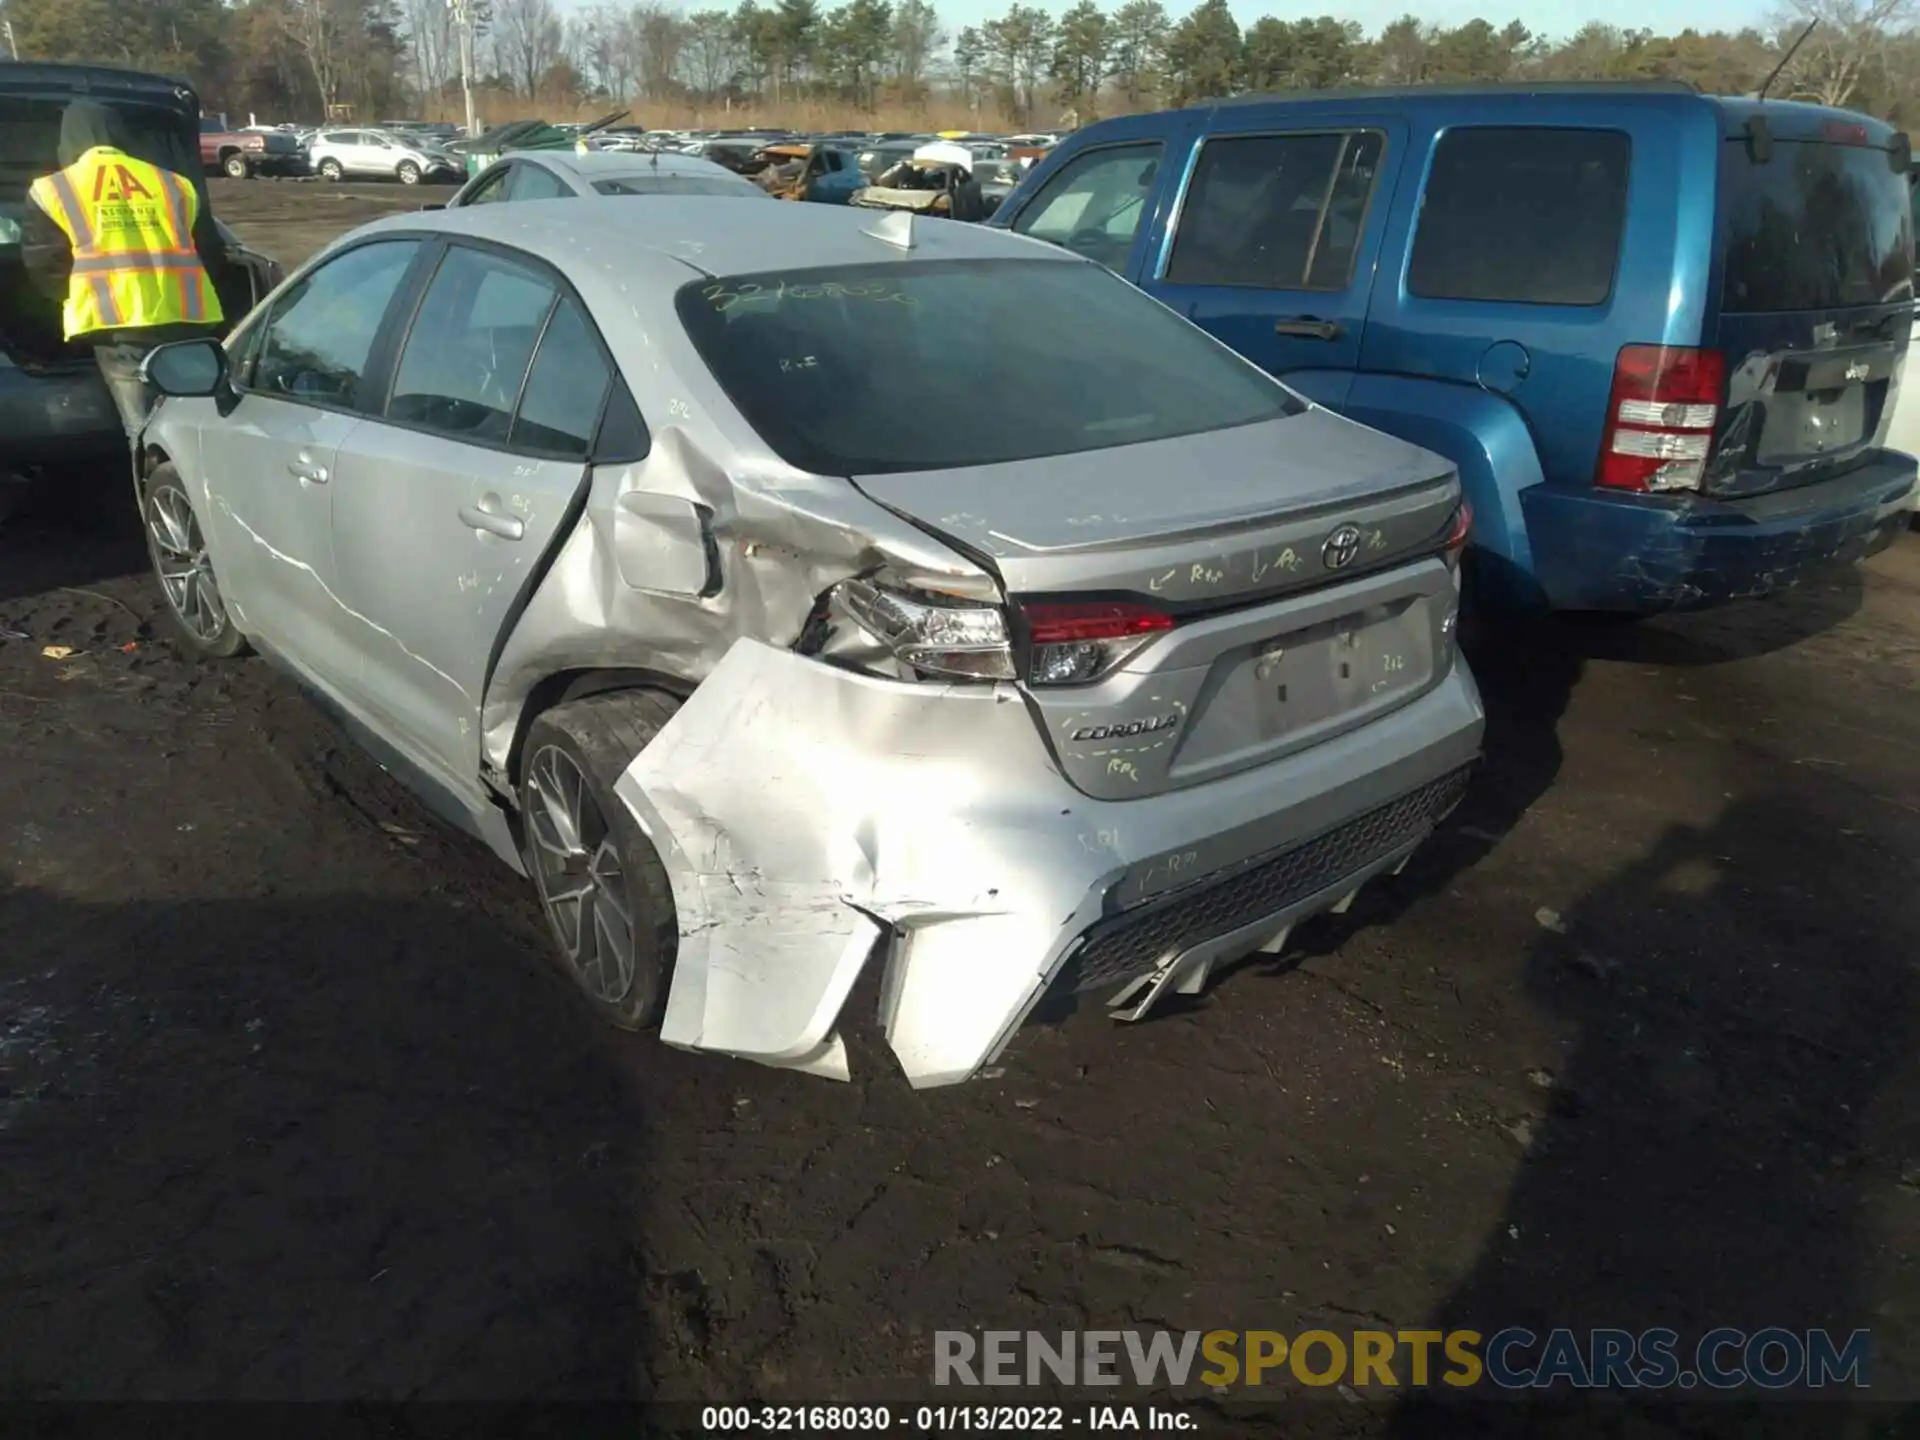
point(409, 173)
point(330, 170)
point(236, 167)
point(606, 895)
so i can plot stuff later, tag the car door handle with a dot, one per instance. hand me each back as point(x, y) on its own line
point(1306, 327)
point(487, 516)
point(308, 471)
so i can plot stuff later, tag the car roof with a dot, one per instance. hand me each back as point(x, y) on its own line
point(685, 236)
point(603, 164)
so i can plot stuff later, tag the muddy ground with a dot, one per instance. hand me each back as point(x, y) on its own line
point(291, 1104)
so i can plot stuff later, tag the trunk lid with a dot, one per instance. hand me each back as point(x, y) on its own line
point(1816, 299)
point(1295, 557)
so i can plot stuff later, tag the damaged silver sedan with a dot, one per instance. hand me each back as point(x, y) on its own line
point(677, 561)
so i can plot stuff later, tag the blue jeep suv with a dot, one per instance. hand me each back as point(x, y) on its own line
point(1660, 333)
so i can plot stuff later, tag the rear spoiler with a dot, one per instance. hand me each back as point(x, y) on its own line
point(1899, 146)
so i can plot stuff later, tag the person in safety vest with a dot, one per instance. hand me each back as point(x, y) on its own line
point(124, 245)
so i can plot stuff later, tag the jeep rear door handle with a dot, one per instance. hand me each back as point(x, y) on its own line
point(489, 515)
point(1307, 328)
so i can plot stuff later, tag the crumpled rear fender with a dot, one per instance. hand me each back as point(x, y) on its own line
point(807, 815)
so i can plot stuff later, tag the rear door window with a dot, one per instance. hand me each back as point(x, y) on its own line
point(1522, 215)
point(565, 388)
point(1817, 227)
point(1283, 212)
point(467, 354)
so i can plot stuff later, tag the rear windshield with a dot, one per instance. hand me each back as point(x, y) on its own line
point(30, 140)
point(1817, 227)
point(874, 369)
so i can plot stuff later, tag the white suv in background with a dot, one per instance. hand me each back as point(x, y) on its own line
point(337, 154)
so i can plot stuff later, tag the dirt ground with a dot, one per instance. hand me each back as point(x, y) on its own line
point(292, 1106)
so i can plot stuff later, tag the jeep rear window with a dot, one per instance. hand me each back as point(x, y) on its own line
point(926, 365)
point(1523, 215)
point(30, 139)
point(1817, 227)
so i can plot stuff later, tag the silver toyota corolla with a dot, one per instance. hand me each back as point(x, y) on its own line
point(673, 559)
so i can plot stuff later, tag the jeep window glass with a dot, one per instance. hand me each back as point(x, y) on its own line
point(1818, 227)
point(30, 141)
point(1094, 205)
point(1281, 212)
point(1531, 216)
point(871, 369)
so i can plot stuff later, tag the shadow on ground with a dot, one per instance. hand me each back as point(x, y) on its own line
point(1704, 1159)
point(1528, 672)
point(329, 1148)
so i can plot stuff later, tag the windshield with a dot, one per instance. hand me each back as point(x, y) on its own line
point(666, 182)
point(872, 369)
point(1817, 227)
point(30, 140)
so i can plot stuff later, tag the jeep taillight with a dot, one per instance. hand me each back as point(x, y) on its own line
point(1077, 641)
point(1660, 418)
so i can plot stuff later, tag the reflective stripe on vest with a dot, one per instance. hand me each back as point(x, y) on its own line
point(131, 227)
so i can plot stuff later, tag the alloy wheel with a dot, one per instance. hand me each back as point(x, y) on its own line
point(582, 878)
point(183, 565)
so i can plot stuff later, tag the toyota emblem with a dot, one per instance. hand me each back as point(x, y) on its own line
point(1341, 547)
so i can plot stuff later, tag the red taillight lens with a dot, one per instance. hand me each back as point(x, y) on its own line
point(1080, 640)
point(1075, 624)
point(1841, 132)
point(1660, 417)
point(1462, 526)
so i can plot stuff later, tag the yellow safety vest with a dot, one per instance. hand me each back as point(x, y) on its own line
point(131, 226)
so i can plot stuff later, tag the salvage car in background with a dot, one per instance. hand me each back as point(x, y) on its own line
point(564, 175)
point(373, 154)
point(633, 551)
point(824, 174)
point(54, 407)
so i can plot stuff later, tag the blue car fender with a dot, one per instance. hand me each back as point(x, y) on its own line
point(1488, 440)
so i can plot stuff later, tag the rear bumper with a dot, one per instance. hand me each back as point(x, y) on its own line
point(1595, 551)
point(279, 164)
point(51, 417)
point(807, 816)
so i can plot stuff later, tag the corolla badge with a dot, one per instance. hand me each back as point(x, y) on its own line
point(1341, 547)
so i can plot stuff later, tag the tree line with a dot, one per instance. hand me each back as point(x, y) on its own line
point(370, 59)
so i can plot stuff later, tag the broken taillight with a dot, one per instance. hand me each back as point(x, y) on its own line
point(1077, 641)
point(1457, 534)
point(940, 635)
point(1660, 416)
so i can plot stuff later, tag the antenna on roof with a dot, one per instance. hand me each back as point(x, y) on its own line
point(895, 228)
point(1786, 59)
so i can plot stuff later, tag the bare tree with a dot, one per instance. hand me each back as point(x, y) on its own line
point(711, 55)
point(529, 40)
point(1847, 47)
point(316, 28)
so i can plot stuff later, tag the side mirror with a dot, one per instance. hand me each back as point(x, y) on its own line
point(186, 368)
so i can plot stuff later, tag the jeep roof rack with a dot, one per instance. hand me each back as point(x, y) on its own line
point(1478, 87)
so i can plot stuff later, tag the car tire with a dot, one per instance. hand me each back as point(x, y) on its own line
point(236, 167)
point(177, 550)
point(330, 169)
point(408, 172)
point(598, 876)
